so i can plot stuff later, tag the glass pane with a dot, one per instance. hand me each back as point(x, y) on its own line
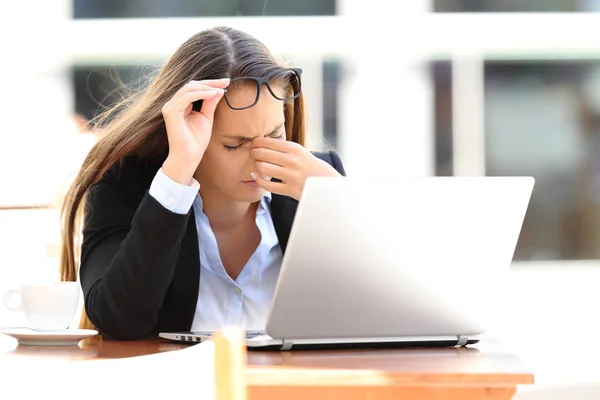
point(96, 87)
point(441, 72)
point(199, 8)
point(516, 6)
point(543, 119)
point(331, 79)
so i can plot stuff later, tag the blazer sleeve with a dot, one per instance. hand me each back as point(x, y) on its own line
point(128, 259)
point(336, 162)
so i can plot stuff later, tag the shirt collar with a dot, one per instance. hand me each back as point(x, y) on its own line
point(264, 204)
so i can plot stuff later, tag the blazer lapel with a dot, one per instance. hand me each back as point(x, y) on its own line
point(283, 208)
point(283, 211)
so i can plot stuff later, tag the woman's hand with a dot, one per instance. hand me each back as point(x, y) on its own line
point(188, 131)
point(288, 162)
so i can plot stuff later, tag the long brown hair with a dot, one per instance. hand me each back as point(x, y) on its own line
point(135, 126)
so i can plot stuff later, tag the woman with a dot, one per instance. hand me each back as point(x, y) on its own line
point(186, 214)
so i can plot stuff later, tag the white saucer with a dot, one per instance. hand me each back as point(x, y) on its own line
point(29, 337)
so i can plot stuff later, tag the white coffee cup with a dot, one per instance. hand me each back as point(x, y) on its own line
point(47, 306)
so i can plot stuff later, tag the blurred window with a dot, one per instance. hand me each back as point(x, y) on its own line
point(516, 6)
point(199, 8)
point(97, 86)
point(541, 119)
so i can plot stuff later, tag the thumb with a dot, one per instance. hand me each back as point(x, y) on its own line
point(210, 105)
point(263, 181)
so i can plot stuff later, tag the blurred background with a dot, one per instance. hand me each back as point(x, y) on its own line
point(400, 88)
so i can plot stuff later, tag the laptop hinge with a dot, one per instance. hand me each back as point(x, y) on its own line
point(462, 341)
point(287, 344)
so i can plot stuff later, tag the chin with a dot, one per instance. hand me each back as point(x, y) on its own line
point(248, 195)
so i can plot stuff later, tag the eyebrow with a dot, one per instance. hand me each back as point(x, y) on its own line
point(248, 138)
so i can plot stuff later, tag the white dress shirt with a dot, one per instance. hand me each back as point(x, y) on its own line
point(222, 301)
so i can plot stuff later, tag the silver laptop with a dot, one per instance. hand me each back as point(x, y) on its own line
point(399, 262)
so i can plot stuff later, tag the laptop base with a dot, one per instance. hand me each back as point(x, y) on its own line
point(262, 342)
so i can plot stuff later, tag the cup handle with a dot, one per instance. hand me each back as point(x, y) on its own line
point(9, 304)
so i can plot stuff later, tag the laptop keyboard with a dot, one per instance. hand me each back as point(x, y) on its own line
point(250, 335)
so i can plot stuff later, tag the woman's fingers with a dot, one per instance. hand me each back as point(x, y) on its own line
point(216, 83)
point(270, 156)
point(282, 146)
point(194, 86)
point(271, 170)
point(208, 105)
point(270, 186)
point(180, 102)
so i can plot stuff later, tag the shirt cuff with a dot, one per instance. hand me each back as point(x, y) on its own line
point(173, 196)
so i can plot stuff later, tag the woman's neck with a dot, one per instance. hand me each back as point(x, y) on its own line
point(225, 214)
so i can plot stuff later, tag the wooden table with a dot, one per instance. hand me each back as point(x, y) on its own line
point(481, 372)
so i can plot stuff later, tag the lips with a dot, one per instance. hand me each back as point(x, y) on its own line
point(252, 184)
point(265, 177)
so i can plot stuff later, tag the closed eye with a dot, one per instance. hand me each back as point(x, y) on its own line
point(234, 148)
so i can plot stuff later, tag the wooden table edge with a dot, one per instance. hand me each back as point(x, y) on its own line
point(274, 376)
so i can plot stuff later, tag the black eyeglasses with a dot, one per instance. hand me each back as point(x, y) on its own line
point(288, 75)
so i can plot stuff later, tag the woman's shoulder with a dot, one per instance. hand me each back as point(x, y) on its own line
point(131, 176)
point(332, 158)
point(132, 169)
point(325, 155)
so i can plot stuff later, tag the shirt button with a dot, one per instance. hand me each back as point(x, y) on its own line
point(237, 291)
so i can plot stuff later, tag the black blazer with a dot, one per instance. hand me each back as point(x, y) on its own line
point(140, 266)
